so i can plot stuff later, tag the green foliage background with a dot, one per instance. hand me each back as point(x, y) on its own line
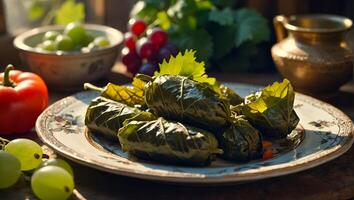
point(54, 11)
point(224, 34)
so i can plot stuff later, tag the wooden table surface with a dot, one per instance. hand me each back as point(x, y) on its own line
point(333, 180)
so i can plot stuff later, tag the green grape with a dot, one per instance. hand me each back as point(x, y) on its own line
point(52, 182)
point(26, 151)
point(10, 169)
point(49, 45)
point(59, 163)
point(92, 46)
point(64, 43)
point(76, 32)
point(101, 41)
point(88, 39)
point(50, 35)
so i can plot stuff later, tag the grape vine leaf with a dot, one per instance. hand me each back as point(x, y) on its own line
point(204, 5)
point(222, 40)
point(251, 27)
point(222, 17)
point(240, 59)
point(70, 11)
point(129, 95)
point(198, 39)
point(186, 65)
point(164, 20)
point(36, 10)
point(225, 3)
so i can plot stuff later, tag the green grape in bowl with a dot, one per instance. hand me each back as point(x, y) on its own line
point(76, 32)
point(50, 35)
point(48, 45)
point(64, 43)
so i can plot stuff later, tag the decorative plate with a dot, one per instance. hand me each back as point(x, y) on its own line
point(324, 133)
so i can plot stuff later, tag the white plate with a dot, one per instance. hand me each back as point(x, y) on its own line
point(325, 133)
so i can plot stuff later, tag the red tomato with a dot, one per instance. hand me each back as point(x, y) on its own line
point(23, 96)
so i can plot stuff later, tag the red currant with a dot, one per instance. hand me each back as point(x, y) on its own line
point(157, 36)
point(136, 26)
point(146, 49)
point(131, 60)
point(129, 40)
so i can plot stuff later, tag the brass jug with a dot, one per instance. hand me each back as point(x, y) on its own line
point(312, 52)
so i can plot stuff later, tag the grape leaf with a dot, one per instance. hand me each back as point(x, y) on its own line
point(222, 17)
point(129, 95)
point(198, 39)
point(223, 37)
point(204, 5)
point(271, 110)
point(251, 27)
point(240, 59)
point(225, 3)
point(164, 20)
point(186, 65)
point(70, 11)
point(36, 10)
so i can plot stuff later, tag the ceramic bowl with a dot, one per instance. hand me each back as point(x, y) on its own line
point(68, 70)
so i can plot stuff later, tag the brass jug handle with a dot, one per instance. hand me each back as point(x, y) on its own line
point(278, 22)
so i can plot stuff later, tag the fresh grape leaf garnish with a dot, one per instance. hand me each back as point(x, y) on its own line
point(186, 65)
point(129, 95)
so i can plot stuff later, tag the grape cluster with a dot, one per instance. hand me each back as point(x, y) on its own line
point(51, 178)
point(145, 48)
point(73, 38)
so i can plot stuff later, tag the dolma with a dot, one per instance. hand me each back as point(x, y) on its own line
point(168, 141)
point(271, 110)
point(131, 95)
point(241, 141)
point(106, 116)
point(184, 100)
point(233, 98)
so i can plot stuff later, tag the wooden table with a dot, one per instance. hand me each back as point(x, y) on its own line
point(333, 180)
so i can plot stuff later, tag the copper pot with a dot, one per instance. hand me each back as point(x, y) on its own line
point(312, 52)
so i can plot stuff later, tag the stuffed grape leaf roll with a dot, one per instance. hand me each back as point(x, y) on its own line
point(241, 141)
point(233, 98)
point(106, 116)
point(271, 110)
point(168, 141)
point(184, 100)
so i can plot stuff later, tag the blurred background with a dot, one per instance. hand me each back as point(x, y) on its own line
point(17, 16)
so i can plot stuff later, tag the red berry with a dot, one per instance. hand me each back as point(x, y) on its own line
point(146, 49)
point(157, 36)
point(129, 40)
point(131, 60)
point(136, 26)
